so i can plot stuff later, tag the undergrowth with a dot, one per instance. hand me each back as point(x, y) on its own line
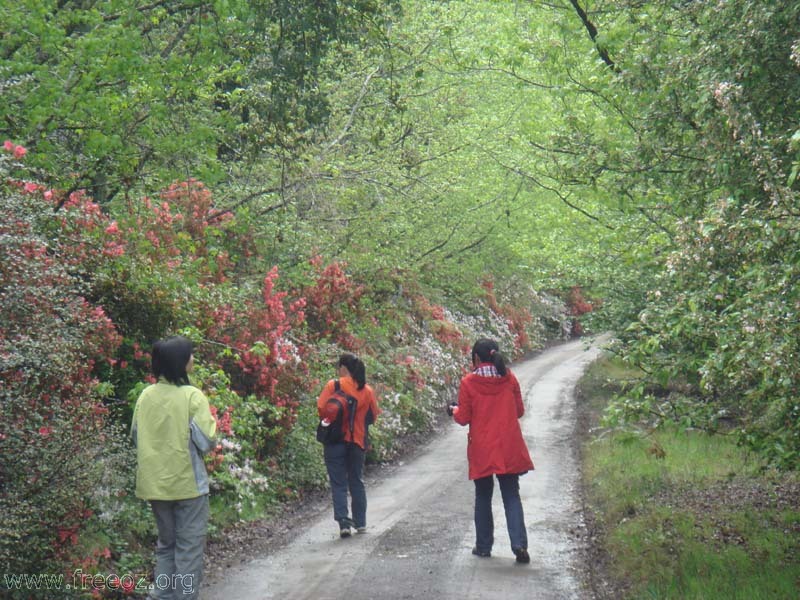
point(685, 515)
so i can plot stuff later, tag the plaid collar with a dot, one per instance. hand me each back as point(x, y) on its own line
point(486, 370)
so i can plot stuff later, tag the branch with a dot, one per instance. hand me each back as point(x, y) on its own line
point(562, 197)
point(242, 201)
point(593, 34)
point(177, 37)
point(474, 244)
point(455, 229)
point(356, 106)
point(145, 8)
point(653, 220)
point(604, 98)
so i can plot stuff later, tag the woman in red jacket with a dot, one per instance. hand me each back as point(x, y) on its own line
point(490, 402)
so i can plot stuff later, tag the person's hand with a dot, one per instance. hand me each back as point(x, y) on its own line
point(452, 408)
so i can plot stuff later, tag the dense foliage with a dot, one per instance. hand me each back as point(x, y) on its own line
point(710, 95)
point(286, 180)
point(112, 96)
point(53, 427)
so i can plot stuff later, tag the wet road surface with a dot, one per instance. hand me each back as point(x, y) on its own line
point(420, 529)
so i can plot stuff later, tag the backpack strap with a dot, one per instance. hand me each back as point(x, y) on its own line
point(351, 404)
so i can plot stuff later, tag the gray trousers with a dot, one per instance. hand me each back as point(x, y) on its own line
point(179, 551)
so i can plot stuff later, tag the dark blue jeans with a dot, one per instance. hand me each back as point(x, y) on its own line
point(484, 521)
point(345, 464)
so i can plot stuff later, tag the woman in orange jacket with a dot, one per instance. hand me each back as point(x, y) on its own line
point(490, 402)
point(344, 459)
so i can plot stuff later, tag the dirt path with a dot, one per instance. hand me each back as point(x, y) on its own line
point(420, 519)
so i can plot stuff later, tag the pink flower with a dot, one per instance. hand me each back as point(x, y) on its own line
point(113, 249)
point(30, 187)
point(8, 146)
point(45, 431)
point(19, 152)
point(112, 228)
point(48, 195)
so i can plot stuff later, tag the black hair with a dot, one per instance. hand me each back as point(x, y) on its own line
point(489, 352)
point(356, 367)
point(170, 357)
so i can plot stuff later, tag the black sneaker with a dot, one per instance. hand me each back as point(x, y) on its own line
point(522, 555)
point(481, 553)
point(344, 528)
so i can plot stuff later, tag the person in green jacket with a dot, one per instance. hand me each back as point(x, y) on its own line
point(172, 428)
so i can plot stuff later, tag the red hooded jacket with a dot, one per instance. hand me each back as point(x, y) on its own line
point(492, 406)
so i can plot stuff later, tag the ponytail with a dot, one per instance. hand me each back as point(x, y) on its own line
point(356, 368)
point(489, 352)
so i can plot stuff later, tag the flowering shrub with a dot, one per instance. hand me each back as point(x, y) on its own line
point(177, 231)
point(51, 341)
point(577, 305)
point(171, 267)
point(237, 476)
point(439, 322)
point(332, 302)
point(262, 358)
point(517, 317)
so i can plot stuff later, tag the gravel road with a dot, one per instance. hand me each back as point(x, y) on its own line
point(420, 530)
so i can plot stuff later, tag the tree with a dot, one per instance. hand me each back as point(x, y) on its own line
point(116, 95)
point(711, 92)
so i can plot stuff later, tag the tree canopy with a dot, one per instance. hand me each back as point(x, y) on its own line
point(285, 180)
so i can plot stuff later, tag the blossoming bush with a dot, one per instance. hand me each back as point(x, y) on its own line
point(238, 478)
point(577, 305)
point(53, 427)
point(263, 357)
point(332, 301)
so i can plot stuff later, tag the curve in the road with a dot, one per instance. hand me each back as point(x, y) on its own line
point(420, 519)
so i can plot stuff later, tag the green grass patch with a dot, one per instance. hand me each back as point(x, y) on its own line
point(604, 378)
point(687, 515)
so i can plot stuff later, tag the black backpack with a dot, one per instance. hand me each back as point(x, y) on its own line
point(345, 409)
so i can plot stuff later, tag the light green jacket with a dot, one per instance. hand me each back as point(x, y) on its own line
point(172, 429)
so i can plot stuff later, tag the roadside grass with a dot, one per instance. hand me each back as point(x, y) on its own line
point(686, 515)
